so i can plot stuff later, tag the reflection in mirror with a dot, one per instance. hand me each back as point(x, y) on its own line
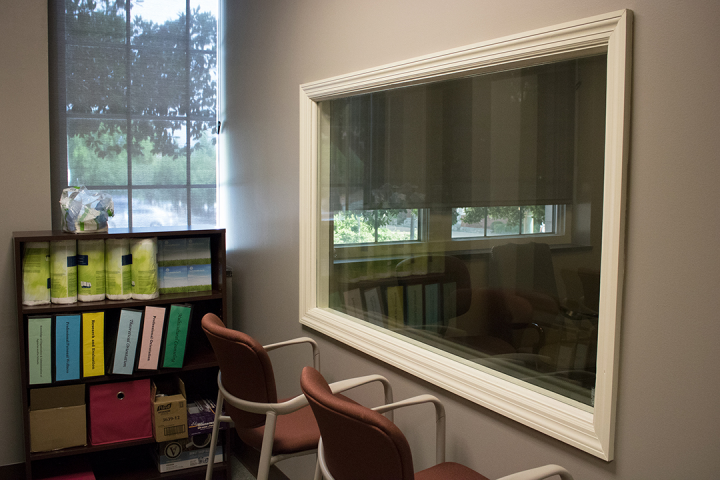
point(465, 215)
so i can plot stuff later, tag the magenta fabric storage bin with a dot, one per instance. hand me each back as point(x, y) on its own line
point(120, 412)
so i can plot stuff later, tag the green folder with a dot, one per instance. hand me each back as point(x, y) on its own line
point(39, 350)
point(176, 336)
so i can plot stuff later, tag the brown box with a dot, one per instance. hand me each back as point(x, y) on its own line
point(57, 418)
point(169, 411)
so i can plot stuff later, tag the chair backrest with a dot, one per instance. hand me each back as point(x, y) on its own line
point(524, 267)
point(358, 443)
point(246, 369)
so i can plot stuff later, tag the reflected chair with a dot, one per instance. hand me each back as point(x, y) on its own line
point(247, 392)
point(358, 443)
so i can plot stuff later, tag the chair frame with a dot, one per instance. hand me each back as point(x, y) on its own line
point(538, 473)
point(272, 410)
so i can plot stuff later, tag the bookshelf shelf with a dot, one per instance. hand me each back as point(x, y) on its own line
point(132, 459)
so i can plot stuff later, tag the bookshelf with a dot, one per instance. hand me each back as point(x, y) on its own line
point(131, 459)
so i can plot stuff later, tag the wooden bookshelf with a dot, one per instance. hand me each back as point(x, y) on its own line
point(131, 459)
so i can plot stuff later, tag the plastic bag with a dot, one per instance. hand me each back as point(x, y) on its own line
point(84, 211)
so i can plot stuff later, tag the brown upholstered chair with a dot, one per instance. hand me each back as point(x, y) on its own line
point(246, 389)
point(248, 393)
point(359, 443)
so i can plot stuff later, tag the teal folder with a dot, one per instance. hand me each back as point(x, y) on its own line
point(67, 347)
point(432, 304)
point(126, 342)
point(39, 350)
point(176, 336)
point(415, 305)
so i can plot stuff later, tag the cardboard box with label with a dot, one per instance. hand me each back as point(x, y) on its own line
point(57, 418)
point(190, 452)
point(169, 407)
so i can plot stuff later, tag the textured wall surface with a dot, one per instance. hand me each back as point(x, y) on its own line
point(668, 384)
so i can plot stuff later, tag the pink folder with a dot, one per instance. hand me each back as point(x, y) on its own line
point(152, 336)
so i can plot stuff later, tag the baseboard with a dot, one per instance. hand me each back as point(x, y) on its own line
point(13, 472)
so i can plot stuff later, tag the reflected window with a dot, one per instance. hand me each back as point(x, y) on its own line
point(466, 215)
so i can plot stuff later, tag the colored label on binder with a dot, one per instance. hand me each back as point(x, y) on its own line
point(39, 350)
point(67, 347)
point(126, 342)
point(93, 344)
point(176, 338)
point(151, 338)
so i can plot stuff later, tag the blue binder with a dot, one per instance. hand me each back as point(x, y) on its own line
point(67, 347)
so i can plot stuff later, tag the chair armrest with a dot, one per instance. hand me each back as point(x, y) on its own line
point(347, 384)
point(540, 473)
point(283, 408)
point(439, 419)
point(296, 341)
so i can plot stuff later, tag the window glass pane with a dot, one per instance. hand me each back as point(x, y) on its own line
point(204, 206)
point(203, 153)
point(203, 26)
point(161, 207)
point(120, 205)
point(97, 80)
point(159, 23)
point(95, 23)
point(511, 163)
point(159, 156)
point(203, 85)
point(97, 152)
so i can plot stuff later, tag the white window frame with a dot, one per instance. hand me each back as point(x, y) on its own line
point(591, 430)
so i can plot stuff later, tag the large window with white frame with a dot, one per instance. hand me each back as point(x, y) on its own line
point(462, 219)
point(134, 94)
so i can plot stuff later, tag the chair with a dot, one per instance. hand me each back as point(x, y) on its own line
point(247, 390)
point(359, 443)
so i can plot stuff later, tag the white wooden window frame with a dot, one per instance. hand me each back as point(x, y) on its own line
point(591, 431)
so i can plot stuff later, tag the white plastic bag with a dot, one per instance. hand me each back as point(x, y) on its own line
point(84, 211)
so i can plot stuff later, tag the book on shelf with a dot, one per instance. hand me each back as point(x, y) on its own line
point(373, 300)
point(67, 347)
point(396, 316)
point(152, 335)
point(432, 304)
point(126, 341)
point(39, 350)
point(178, 326)
point(93, 341)
point(415, 305)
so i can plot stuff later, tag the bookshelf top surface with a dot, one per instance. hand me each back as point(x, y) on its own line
point(40, 235)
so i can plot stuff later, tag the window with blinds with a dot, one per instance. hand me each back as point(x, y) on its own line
point(133, 106)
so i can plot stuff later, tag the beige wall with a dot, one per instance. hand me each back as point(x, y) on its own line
point(669, 374)
point(24, 182)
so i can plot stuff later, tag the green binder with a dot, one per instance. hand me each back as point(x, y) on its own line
point(39, 350)
point(176, 336)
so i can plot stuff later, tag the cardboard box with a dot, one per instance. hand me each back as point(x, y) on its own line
point(169, 411)
point(201, 415)
point(57, 418)
point(180, 454)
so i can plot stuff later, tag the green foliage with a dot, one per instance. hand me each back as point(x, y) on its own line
point(358, 227)
point(513, 215)
point(154, 82)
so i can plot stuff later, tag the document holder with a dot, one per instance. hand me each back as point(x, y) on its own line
point(120, 412)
